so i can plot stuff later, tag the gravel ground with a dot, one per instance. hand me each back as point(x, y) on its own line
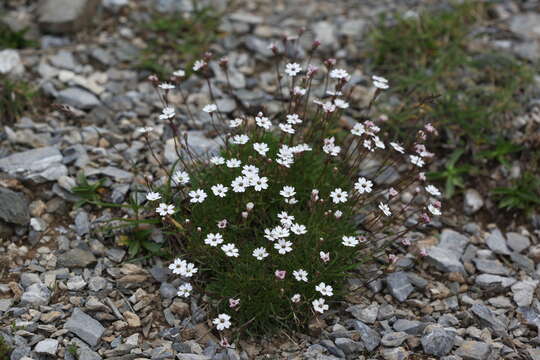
point(67, 291)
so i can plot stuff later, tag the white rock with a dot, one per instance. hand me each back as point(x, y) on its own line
point(10, 63)
point(47, 346)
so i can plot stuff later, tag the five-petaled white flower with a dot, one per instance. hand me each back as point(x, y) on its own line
point(292, 69)
point(213, 239)
point(358, 129)
point(339, 196)
point(325, 256)
point(233, 163)
point(260, 183)
point(180, 177)
point(285, 219)
point(283, 246)
point(210, 108)
point(235, 123)
point(300, 275)
point(197, 196)
point(416, 160)
point(222, 322)
point(342, 104)
point(385, 209)
point(339, 74)
point(263, 121)
point(261, 148)
point(434, 210)
point(240, 139)
point(167, 113)
point(287, 191)
point(380, 82)
point(298, 229)
point(295, 298)
point(350, 241)
point(230, 250)
point(199, 64)
point(219, 190)
point(287, 128)
point(153, 196)
point(319, 305)
point(363, 185)
point(184, 290)
point(179, 73)
point(166, 86)
point(260, 253)
point(397, 147)
point(325, 290)
point(164, 209)
point(432, 190)
point(293, 119)
point(217, 160)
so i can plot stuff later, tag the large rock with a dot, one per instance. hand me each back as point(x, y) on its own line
point(66, 16)
point(13, 207)
point(437, 340)
point(399, 285)
point(10, 63)
point(497, 243)
point(76, 258)
point(38, 165)
point(79, 98)
point(47, 346)
point(487, 318)
point(85, 327)
point(446, 256)
point(36, 294)
point(474, 350)
point(370, 337)
point(524, 291)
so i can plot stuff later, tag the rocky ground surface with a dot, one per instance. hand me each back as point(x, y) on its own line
point(69, 291)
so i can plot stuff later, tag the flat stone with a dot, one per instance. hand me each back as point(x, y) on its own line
point(491, 267)
point(488, 318)
point(445, 260)
point(488, 280)
point(496, 242)
point(14, 207)
point(474, 350)
point(411, 327)
point(84, 353)
point(370, 337)
point(394, 339)
point(10, 63)
point(38, 165)
point(366, 314)
point(64, 60)
point(66, 16)
point(28, 278)
point(5, 304)
point(36, 294)
point(437, 340)
point(517, 242)
point(47, 346)
point(524, 292)
point(76, 283)
point(398, 353)
point(399, 285)
point(85, 327)
point(78, 98)
point(348, 346)
point(526, 25)
point(97, 283)
point(117, 174)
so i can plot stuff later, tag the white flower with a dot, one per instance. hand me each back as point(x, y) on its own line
point(230, 250)
point(184, 290)
point(217, 160)
point(166, 86)
point(293, 119)
point(213, 239)
point(330, 148)
point(350, 241)
point(287, 128)
point(210, 108)
point(269, 234)
point(261, 148)
point(283, 246)
point(299, 91)
point(263, 121)
point(397, 147)
point(329, 107)
point(180, 177)
point(325, 290)
point(219, 190)
point(287, 191)
point(199, 64)
point(153, 196)
point(291, 201)
point(177, 265)
point(298, 229)
point(179, 73)
point(363, 185)
point(260, 183)
point(300, 275)
point(325, 256)
point(233, 163)
point(368, 145)
point(385, 209)
point(295, 298)
point(235, 123)
point(145, 129)
point(432, 190)
point(285, 219)
point(280, 232)
point(239, 184)
point(292, 69)
point(197, 196)
point(378, 142)
point(222, 322)
point(164, 209)
point(222, 224)
point(342, 104)
point(380, 82)
point(339, 74)
point(339, 196)
point(319, 305)
point(434, 210)
point(358, 129)
point(240, 139)
point(167, 113)
point(416, 160)
point(338, 214)
point(250, 170)
point(260, 253)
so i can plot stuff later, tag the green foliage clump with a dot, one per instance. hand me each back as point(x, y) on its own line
point(522, 194)
point(472, 89)
point(10, 39)
point(16, 97)
point(5, 349)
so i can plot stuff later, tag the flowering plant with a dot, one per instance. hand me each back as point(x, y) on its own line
point(270, 226)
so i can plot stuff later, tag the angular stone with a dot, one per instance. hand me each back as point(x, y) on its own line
point(398, 353)
point(36, 294)
point(525, 24)
point(488, 318)
point(491, 267)
point(348, 346)
point(13, 207)
point(444, 260)
point(399, 285)
point(76, 283)
point(474, 350)
point(38, 165)
point(47, 346)
point(472, 201)
point(76, 258)
point(85, 327)
point(488, 280)
point(517, 242)
point(66, 16)
point(78, 98)
point(367, 314)
point(524, 292)
point(394, 339)
point(437, 340)
point(411, 327)
point(370, 337)
point(496, 242)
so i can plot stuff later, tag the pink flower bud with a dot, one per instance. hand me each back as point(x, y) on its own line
point(280, 274)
